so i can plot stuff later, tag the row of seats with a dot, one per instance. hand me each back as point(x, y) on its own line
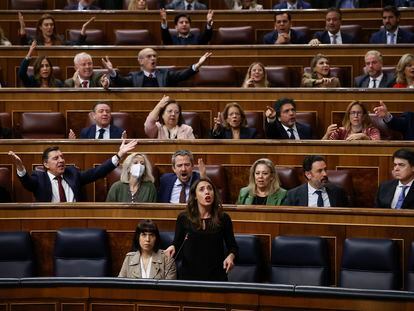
point(223, 35)
point(296, 260)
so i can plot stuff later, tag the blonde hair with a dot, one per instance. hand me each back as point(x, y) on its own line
point(274, 185)
point(133, 5)
point(126, 167)
point(404, 61)
point(366, 120)
point(263, 82)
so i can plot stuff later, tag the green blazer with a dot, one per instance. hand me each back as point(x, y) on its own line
point(273, 199)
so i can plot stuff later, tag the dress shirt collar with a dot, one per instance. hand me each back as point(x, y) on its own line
point(295, 130)
point(293, 6)
point(338, 37)
point(377, 79)
point(51, 176)
point(400, 184)
point(311, 190)
point(146, 73)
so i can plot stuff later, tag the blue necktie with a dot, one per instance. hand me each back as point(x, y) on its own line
point(319, 203)
point(392, 38)
point(401, 197)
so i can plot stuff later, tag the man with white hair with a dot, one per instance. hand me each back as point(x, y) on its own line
point(85, 76)
point(374, 77)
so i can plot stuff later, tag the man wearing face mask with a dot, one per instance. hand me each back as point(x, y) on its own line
point(136, 183)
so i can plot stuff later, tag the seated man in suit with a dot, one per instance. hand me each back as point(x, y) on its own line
point(392, 33)
point(403, 123)
point(184, 36)
point(404, 3)
point(61, 183)
point(82, 5)
point(292, 5)
point(317, 192)
point(175, 187)
point(85, 76)
point(281, 122)
point(399, 192)
point(374, 77)
point(102, 129)
point(150, 76)
point(282, 34)
point(332, 33)
point(186, 5)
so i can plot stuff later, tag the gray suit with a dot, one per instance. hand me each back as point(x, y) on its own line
point(299, 196)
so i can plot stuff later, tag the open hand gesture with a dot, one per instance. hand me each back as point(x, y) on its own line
point(108, 65)
point(17, 161)
point(163, 16)
point(84, 26)
point(22, 31)
point(210, 15)
point(31, 49)
point(202, 60)
point(126, 147)
point(381, 111)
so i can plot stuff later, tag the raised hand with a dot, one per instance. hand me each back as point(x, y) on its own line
point(84, 26)
point(31, 49)
point(331, 129)
point(108, 65)
point(270, 113)
point(17, 161)
point(381, 111)
point(126, 147)
point(72, 134)
point(217, 121)
point(163, 16)
point(202, 168)
point(124, 135)
point(202, 60)
point(210, 15)
point(21, 31)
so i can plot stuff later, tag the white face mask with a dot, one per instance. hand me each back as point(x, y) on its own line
point(137, 170)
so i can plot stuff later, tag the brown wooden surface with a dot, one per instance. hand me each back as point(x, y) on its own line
point(296, 57)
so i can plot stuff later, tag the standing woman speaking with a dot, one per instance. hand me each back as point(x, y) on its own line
point(199, 235)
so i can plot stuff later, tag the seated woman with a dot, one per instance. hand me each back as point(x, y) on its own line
point(200, 234)
point(42, 71)
point(233, 125)
point(256, 76)
point(137, 5)
point(147, 261)
point(264, 185)
point(3, 40)
point(243, 5)
point(46, 32)
point(136, 183)
point(166, 121)
point(405, 72)
point(356, 125)
point(320, 75)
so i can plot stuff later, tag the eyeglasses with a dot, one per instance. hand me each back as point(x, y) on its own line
point(356, 113)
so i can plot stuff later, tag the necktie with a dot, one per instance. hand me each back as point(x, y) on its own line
point(319, 203)
point(85, 83)
point(291, 135)
point(374, 83)
point(183, 198)
point(392, 38)
point(189, 7)
point(334, 39)
point(401, 197)
point(151, 76)
point(62, 195)
point(101, 133)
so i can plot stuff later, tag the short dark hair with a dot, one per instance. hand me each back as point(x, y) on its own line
point(281, 13)
point(391, 8)
point(334, 9)
point(143, 227)
point(178, 16)
point(406, 154)
point(309, 160)
point(180, 114)
point(101, 103)
point(283, 101)
point(46, 152)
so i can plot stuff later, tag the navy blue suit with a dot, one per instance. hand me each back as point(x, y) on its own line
point(201, 39)
point(90, 132)
point(403, 124)
point(275, 130)
point(323, 37)
point(301, 5)
point(245, 133)
point(39, 181)
point(403, 36)
point(167, 183)
point(386, 193)
point(299, 196)
point(387, 80)
point(296, 37)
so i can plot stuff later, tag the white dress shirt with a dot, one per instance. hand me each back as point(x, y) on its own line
point(106, 134)
point(313, 197)
point(295, 131)
point(338, 37)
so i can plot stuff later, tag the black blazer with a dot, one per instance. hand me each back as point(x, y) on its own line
point(275, 130)
point(90, 132)
point(165, 78)
point(296, 37)
point(387, 80)
point(39, 181)
point(245, 133)
point(203, 38)
point(403, 124)
point(299, 196)
point(323, 37)
point(386, 193)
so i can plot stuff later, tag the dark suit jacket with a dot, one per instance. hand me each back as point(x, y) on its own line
point(245, 133)
point(30, 81)
point(323, 37)
point(203, 38)
point(386, 192)
point(167, 183)
point(180, 5)
point(4, 196)
point(75, 7)
point(388, 80)
point(275, 130)
point(300, 6)
point(402, 3)
point(90, 132)
point(299, 196)
point(296, 37)
point(380, 37)
point(94, 81)
point(165, 78)
point(403, 124)
point(39, 182)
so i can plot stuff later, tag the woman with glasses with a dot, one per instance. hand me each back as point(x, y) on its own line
point(166, 121)
point(356, 125)
point(232, 124)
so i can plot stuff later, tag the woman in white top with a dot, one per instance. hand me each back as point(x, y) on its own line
point(243, 5)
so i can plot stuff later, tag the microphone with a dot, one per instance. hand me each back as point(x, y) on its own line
point(176, 254)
